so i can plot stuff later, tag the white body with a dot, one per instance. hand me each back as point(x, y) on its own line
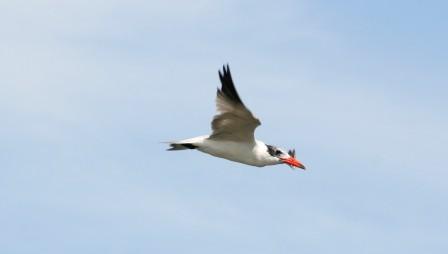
point(253, 153)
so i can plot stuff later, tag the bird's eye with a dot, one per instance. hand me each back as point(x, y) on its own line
point(278, 152)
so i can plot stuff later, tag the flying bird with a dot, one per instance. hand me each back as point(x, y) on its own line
point(232, 136)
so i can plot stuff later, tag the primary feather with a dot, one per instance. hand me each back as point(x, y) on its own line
point(233, 120)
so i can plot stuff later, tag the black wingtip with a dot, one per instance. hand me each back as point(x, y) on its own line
point(227, 87)
point(225, 71)
point(226, 68)
point(292, 153)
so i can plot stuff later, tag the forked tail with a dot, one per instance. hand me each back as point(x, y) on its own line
point(191, 143)
point(181, 146)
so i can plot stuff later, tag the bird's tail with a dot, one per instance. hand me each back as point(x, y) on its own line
point(191, 143)
point(181, 146)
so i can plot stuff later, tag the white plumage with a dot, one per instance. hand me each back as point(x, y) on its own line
point(233, 130)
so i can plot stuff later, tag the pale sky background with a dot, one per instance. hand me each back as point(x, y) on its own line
point(89, 88)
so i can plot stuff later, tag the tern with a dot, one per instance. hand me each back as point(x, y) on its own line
point(232, 136)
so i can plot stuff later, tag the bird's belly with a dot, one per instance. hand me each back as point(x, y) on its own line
point(234, 151)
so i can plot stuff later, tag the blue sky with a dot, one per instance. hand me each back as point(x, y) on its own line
point(90, 88)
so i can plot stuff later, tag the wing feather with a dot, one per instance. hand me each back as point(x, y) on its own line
point(233, 120)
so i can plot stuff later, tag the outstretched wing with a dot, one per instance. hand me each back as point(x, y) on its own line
point(233, 120)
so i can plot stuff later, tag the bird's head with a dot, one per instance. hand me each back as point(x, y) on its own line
point(288, 158)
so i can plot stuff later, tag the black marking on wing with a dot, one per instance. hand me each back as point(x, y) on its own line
point(228, 89)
